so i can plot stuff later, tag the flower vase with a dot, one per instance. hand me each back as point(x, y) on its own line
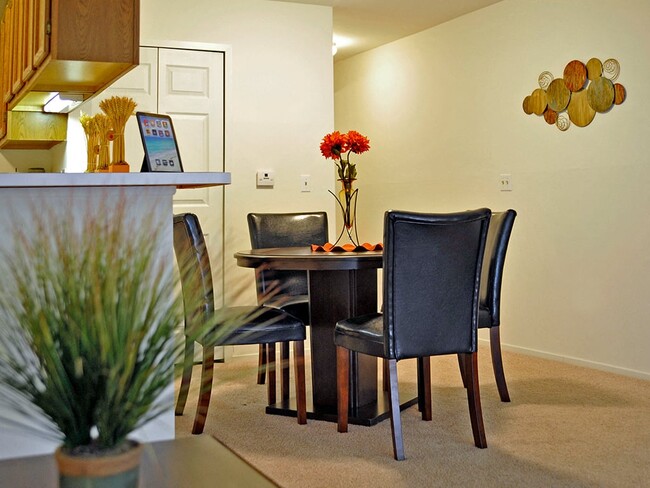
point(347, 200)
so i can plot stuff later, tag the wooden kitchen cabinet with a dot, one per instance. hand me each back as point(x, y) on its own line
point(66, 46)
point(6, 44)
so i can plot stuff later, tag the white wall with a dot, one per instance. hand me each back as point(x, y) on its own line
point(279, 101)
point(443, 111)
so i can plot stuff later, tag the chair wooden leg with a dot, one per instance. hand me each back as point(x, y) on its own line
point(463, 369)
point(474, 400)
point(188, 363)
point(497, 363)
point(301, 392)
point(270, 369)
point(284, 366)
point(424, 387)
point(395, 414)
point(384, 376)
point(206, 390)
point(261, 365)
point(342, 387)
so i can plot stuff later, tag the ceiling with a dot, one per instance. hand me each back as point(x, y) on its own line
point(360, 25)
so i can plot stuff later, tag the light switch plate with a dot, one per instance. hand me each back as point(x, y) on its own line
point(305, 183)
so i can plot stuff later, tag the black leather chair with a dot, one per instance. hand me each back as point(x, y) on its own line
point(269, 230)
point(432, 271)
point(230, 325)
point(489, 312)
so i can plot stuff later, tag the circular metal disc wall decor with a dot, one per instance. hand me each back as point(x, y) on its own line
point(575, 75)
point(558, 95)
point(537, 102)
point(545, 79)
point(550, 116)
point(600, 94)
point(619, 93)
point(611, 69)
point(594, 68)
point(583, 90)
point(579, 110)
point(563, 122)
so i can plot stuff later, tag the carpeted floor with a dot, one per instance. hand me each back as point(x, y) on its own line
point(566, 426)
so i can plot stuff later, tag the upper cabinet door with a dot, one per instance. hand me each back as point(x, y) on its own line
point(6, 45)
point(40, 37)
point(28, 40)
point(15, 13)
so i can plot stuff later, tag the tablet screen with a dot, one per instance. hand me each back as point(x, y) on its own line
point(159, 141)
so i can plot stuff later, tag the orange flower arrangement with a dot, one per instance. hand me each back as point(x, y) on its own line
point(337, 146)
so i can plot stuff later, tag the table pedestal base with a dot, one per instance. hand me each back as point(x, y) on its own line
point(367, 415)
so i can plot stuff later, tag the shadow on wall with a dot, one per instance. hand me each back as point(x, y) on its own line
point(22, 160)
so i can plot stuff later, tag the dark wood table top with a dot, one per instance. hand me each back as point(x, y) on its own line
point(188, 462)
point(303, 258)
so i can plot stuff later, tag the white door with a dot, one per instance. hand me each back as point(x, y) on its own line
point(188, 85)
point(191, 91)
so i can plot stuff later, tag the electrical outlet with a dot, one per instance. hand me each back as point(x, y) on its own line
point(265, 178)
point(305, 183)
point(505, 182)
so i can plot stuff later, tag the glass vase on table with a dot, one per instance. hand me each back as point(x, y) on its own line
point(347, 200)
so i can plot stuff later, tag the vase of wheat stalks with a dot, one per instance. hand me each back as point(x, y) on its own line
point(105, 134)
point(90, 130)
point(118, 110)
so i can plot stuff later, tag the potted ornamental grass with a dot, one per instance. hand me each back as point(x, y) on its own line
point(87, 349)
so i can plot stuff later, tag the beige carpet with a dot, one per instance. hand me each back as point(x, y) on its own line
point(565, 426)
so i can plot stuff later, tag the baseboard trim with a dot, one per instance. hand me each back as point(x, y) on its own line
point(573, 360)
point(536, 353)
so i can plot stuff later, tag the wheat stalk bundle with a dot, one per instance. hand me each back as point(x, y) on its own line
point(90, 131)
point(118, 110)
point(105, 133)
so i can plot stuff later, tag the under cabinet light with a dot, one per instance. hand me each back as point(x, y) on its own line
point(63, 103)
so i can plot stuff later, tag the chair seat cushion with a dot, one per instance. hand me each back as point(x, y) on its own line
point(363, 334)
point(262, 325)
point(296, 305)
point(484, 318)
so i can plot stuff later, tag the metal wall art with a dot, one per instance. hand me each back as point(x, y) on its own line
point(583, 90)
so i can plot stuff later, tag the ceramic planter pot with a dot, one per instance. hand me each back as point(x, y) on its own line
point(108, 471)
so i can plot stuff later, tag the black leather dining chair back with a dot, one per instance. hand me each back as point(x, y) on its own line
point(431, 271)
point(496, 246)
point(489, 315)
point(196, 273)
point(289, 289)
point(286, 230)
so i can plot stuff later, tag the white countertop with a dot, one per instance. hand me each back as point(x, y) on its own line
point(52, 180)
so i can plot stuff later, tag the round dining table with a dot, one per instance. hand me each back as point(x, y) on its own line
point(341, 285)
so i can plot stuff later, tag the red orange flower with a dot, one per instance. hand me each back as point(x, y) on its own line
point(333, 145)
point(357, 143)
point(339, 146)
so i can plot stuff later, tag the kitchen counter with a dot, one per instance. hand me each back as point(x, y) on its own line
point(64, 196)
point(52, 180)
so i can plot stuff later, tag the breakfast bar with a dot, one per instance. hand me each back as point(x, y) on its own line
point(59, 196)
